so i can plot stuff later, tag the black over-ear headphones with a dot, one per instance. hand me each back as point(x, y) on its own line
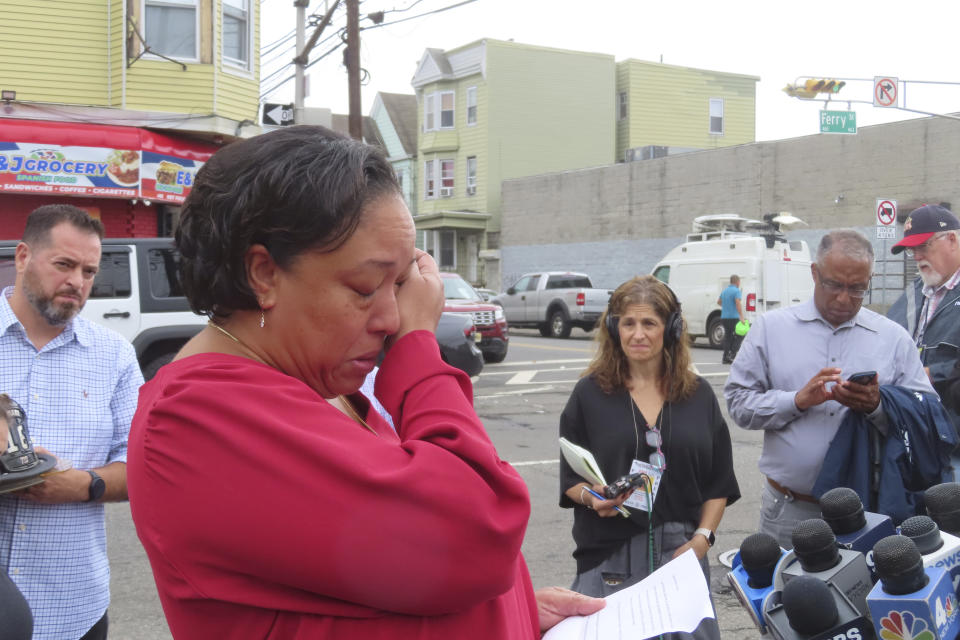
point(672, 330)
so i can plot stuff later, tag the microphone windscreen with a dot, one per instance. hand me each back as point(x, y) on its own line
point(815, 545)
point(924, 532)
point(759, 554)
point(809, 605)
point(843, 510)
point(943, 505)
point(899, 565)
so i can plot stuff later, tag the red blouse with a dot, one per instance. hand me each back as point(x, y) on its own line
point(267, 513)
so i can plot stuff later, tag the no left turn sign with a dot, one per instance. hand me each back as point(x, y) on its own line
point(885, 91)
point(886, 212)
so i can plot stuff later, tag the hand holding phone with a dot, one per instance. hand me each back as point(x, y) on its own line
point(862, 377)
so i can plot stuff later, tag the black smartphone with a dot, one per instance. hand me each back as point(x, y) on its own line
point(862, 377)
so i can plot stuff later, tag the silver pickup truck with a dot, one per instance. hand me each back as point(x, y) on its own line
point(554, 302)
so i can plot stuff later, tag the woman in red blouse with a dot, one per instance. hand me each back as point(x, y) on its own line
point(272, 501)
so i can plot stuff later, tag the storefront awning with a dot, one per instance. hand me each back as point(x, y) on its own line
point(104, 161)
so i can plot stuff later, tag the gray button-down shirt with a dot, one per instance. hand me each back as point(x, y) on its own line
point(784, 349)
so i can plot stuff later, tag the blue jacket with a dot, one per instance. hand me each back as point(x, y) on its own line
point(914, 456)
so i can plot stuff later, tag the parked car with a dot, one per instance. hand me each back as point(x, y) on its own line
point(458, 339)
point(554, 302)
point(774, 272)
point(488, 318)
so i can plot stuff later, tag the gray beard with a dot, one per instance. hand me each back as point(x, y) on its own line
point(54, 315)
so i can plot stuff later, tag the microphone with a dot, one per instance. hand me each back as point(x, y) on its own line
point(937, 549)
point(810, 609)
point(943, 505)
point(752, 578)
point(854, 528)
point(910, 600)
point(815, 547)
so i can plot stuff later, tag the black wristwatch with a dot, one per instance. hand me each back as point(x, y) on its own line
point(97, 486)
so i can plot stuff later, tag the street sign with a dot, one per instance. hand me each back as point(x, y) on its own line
point(886, 213)
point(277, 114)
point(886, 233)
point(838, 121)
point(885, 92)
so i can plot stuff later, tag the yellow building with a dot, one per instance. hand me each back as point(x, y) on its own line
point(159, 83)
point(664, 109)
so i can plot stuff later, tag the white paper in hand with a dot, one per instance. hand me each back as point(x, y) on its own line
point(675, 597)
point(581, 461)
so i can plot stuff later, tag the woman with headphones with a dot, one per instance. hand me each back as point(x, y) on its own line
point(639, 407)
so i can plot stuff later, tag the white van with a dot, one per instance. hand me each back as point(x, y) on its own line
point(774, 272)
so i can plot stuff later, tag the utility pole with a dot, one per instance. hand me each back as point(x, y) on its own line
point(353, 68)
point(303, 53)
point(300, 61)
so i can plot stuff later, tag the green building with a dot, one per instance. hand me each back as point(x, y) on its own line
point(494, 110)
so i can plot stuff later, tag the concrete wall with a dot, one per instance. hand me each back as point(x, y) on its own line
point(616, 221)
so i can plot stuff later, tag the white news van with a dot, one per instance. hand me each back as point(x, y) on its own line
point(774, 272)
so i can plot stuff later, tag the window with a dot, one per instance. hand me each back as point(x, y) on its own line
point(471, 175)
point(716, 116)
point(236, 32)
point(471, 105)
point(438, 111)
point(170, 27)
point(164, 265)
point(442, 245)
point(113, 278)
point(429, 102)
point(429, 182)
point(568, 282)
point(622, 105)
point(446, 109)
point(400, 178)
point(434, 169)
point(448, 249)
point(662, 274)
point(446, 178)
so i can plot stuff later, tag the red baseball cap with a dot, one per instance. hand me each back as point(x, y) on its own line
point(923, 223)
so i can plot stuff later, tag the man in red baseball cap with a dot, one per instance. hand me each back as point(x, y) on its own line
point(930, 307)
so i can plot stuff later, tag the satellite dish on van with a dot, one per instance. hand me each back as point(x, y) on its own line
point(725, 222)
point(786, 219)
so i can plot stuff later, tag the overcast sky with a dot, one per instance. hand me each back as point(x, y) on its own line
point(777, 40)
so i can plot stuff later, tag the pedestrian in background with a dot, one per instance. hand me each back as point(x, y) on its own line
point(77, 383)
point(731, 312)
point(930, 307)
point(789, 378)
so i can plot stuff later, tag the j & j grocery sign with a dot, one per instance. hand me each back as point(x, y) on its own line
point(27, 167)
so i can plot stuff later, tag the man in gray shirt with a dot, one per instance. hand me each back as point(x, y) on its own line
point(790, 377)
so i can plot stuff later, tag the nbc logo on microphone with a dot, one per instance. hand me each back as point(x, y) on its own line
point(904, 625)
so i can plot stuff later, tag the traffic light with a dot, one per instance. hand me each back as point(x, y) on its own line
point(811, 87)
point(800, 91)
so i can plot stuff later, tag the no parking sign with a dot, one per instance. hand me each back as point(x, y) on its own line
point(886, 215)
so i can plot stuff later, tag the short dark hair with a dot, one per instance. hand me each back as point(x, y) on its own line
point(42, 219)
point(292, 190)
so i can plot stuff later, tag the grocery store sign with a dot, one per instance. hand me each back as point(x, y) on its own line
point(38, 168)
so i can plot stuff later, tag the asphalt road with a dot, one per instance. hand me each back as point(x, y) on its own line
point(519, 401)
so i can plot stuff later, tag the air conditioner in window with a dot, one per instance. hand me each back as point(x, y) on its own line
point(471, 191)
point(446, 192)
